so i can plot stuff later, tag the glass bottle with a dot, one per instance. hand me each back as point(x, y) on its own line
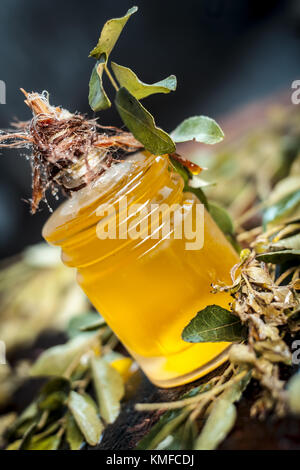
point(146, 288)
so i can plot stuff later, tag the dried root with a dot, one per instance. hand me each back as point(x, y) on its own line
point(66, 150)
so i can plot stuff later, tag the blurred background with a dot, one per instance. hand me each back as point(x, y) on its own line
point(225, 54)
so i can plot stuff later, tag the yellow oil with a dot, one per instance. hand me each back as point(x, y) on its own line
point(146, 289)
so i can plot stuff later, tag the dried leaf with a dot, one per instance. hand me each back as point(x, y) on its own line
point(141, 123)
point(86, 418)
point(109, 389)
point(258, 276)
point(214, 324)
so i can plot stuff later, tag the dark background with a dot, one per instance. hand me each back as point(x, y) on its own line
point(225, 53)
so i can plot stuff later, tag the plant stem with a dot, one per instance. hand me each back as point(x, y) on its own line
point(111, 78)
point(189, 401)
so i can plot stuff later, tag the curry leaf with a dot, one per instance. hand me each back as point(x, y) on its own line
point(86, 418)
point(278, 257)
point(54, 393)
point(282, 208)
point(181, 169)
point(221, 217)
point(48, 443)
point(55, 361)
point(289, 243)
point(168, 423)
point(219, 423)
point(199, 193)
point(161, 430)
point(199, 128)
point(213, 324)
point(74, 436)
point(77, 324)
point(128, 79)
point(109, 389)
point(293, 390)
point(110, 34)
point(98, 99)
point(141, 123)
point(95, 325)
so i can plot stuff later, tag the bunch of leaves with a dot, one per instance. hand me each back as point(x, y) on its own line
point(85, 385)
point(130, 90)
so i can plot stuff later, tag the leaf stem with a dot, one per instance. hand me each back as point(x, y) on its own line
point(111, 78)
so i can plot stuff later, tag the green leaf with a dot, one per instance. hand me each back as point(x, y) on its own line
point(281, 209)
point(54, 394)
point(293, 389)
point(27, 417)
point(213, 324)
point(289, 243)
point(56, 360)
point(199, 193)
point(279, 257)
point(219, 423)
point(168, 423)
point(74, 436)
point(86, 418)
point(96, 325)
point(162, 429)
point(48, 443)
point(181, 439)
point(110, 34)
point(141, 123)
point(28, 436)
point(109, 389)
point(199, 128)
point(128, 79)
point(77, 323)
point(221, 217)
point(181, 169)
point(98, 99)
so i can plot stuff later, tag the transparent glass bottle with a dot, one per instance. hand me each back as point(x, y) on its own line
point(147, 289)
